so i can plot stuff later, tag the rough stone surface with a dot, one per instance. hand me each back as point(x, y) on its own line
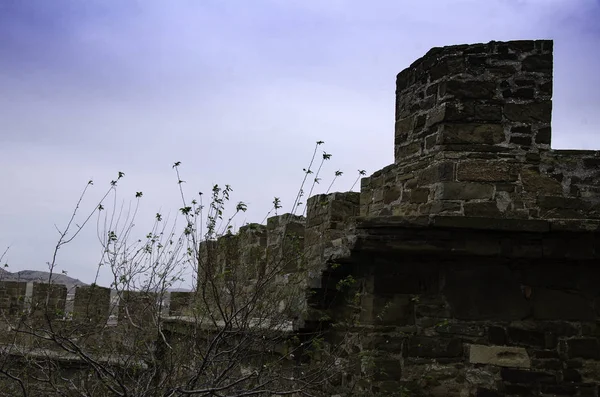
point(502, 356)
point(474, 257)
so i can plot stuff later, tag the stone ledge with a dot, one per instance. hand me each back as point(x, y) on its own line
point(479, 223)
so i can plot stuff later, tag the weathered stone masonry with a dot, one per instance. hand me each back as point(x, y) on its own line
point(476, 255)
point(477, 252)
point(473, 139)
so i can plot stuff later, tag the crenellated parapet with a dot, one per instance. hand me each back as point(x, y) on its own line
point(468, 267)
point(473, 139)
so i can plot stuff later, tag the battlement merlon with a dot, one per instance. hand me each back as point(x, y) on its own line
point(472, 138)
point(475, 98)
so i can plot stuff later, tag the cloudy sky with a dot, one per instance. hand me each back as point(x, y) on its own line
point(238, 91)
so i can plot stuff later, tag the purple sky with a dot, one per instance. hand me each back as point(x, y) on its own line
point(236, 90)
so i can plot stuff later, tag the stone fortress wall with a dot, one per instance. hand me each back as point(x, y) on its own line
point(475, 256)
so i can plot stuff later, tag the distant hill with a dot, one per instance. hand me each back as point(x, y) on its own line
point(42, 277)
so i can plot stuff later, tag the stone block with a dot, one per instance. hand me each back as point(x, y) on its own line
point(431, 347)
point(526, 337)
point(587, 348)
point(482, 209)
point(493, 292)
point(496, 335)
point(91, 303)
point(521, 93)
point(447, 66)
point(439, 172)
point(544, 136)
point(391, 194)
point(483, 392)
point(535, 182)
point(524, 140)
point(502, 356)
point(486, 171)
point(537, 63)
point(524, 376)
point(420, 195)
point(529, 112)
point(463, 191)
point(403, 128)
point(406, 151)
point(468, 89)
point(444, 207)
point(455, 111)
point(489, 134)
point(554, 304)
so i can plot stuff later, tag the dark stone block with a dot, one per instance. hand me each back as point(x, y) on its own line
point(482, 209)
point(561, 202)
point(468, 89)
point(524, 376)
point(485, 292)
point(583, 348)
point(486, 171)
point(544, 136)
point(529, 112)
point(588, 390)
point(521, 140)
point(496, 335)
point(477, 60)
point(407, 282)
point(402, 80)
point(591, 162)
point(519, 390)
point(551, 304)
point(391, 194)
point(522, 93)
point(524, 337)
point(419, 195)
point(574, 363)
point(404, 127)
point(561, 390)
point(571, 375)
point(537, 63)
point(521, 45)
point(545, 354)
point(386, 369)
point(561, 328)
point(546, 88)
point(476, 49)
point(420, 123)
point(404, 151)
point(447, 66)
point(430, 347)
point(521, 129)
point(388, 343)
point(436, 173)
point(553, 364)
point(464, 191)
point(489, 134)
point(472, 111)
point(461, 329)
point(431, 90)
point(503, 70)
point(525, 82)
point(481, 392)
